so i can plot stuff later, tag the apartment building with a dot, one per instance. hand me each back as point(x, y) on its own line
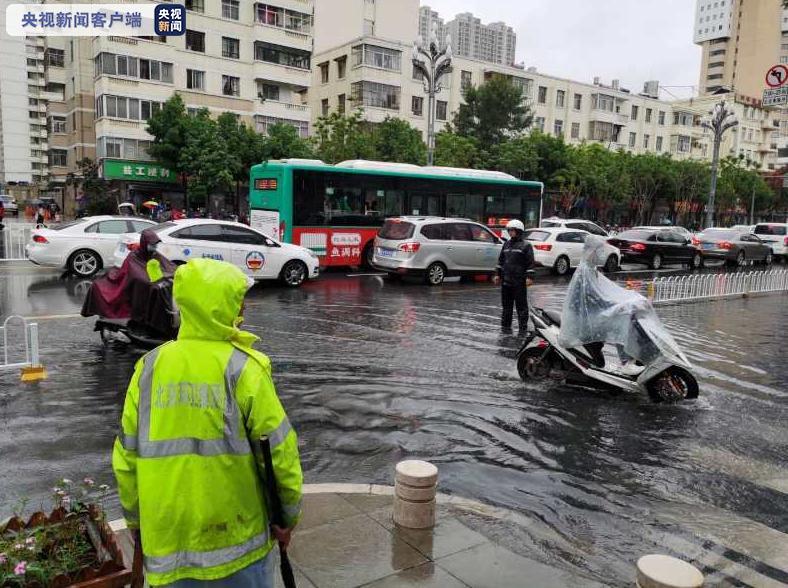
point(740, 39)
point(23, 102)
point(251, 59)
point(495, 42)
point(430, 20)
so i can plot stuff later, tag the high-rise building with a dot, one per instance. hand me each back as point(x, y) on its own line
point(23, 103)
point(741, 39)
point(429, 20)
point(251, 59)
point(494, 43)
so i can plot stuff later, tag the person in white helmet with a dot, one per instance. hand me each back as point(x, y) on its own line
point(517, 257)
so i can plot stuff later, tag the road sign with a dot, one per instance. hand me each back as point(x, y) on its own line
point(775, 97)
point(777, 76)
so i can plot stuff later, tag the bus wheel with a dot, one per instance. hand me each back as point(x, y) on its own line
point(367, 255)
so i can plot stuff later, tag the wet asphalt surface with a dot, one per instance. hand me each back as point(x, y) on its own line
point(372, 372)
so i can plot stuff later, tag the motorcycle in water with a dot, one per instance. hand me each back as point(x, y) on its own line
point(569, 345)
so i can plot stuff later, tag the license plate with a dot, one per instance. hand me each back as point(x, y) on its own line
point(709, 246)
point(386, 252)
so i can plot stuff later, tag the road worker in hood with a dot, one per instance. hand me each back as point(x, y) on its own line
point(189, 481)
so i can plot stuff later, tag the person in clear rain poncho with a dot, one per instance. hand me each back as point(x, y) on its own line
point(598, 311)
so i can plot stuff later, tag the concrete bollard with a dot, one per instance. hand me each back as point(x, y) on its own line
point(415, 486)
point(663, 571)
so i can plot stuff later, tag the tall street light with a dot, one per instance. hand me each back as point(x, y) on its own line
point(432, 62)
point(721, 119)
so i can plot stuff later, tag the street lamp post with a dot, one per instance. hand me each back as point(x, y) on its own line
point(432, 62)
point(721, 119)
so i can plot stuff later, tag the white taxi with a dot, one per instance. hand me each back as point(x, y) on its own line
point(257, 255)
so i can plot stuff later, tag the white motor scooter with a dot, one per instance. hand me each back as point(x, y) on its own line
point(666, 374)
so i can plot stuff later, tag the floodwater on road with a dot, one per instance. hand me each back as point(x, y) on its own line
point(373, 372)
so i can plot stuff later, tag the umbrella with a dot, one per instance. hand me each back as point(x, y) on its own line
point(150, 204)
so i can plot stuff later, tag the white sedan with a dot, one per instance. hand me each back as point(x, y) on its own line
point(84, 246)
point(562, 249)
point(257, 255)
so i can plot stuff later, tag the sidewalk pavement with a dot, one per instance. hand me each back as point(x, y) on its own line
point(348, 540)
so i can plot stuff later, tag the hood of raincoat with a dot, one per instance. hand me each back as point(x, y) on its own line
point(209, 295)
point(594, 252)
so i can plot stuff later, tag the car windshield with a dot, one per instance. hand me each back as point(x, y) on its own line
point(770, 230)
point(162, 227)
point(62, 226)
point(636, 235)
point(397, 230)
point(719, 234)
point(537, 235)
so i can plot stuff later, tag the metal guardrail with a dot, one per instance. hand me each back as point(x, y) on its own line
point(15, 238)
point(711, 286)
point(30, 335)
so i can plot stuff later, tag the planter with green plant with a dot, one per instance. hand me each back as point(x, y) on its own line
point(71, 546)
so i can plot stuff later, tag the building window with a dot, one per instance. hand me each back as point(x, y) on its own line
point(560, 98)
point(231, 48)
point(633, 138)
point(57, 124)
point(374, 56)
point(230, 9)
point(133, 67)
point(263, 124)
point(58, 157)
point(369, 27)
point(575, 130)
point(542, 98)
point(578, 101)
point(646, 140)
point(649, 114)
point(342, 67)
point(558, 128)
point(714, 77)
point(717, 64)
point(539, 123)
point(281, 55)
point(466, 79)
point(195, 41)
point(231, 86)
point(417, 105)
point(341, 101)
point(417, 74)
point(376, 95)
point(683, 144)
point(659, 144)
point(55, 57)
point(635, 110)
point(324, 72)
point(125, 108)
point(283, 18)
point(441, 110)
point(268, 91)
point(195, 5)
point(195, 79)
point(604, 102)
point(661, 118)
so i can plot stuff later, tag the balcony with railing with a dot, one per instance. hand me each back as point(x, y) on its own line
point(283, 26)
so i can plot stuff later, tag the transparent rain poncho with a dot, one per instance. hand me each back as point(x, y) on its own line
point(596, 310)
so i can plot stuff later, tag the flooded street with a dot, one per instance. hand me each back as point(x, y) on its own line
point(372, 372)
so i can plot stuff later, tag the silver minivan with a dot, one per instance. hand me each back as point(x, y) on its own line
point(435, 248)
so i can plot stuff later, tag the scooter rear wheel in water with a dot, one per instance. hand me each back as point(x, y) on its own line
point(673, 385)
point(532, 366)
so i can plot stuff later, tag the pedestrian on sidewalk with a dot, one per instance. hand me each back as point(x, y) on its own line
point(40, 216)
point(517, 257)
point(187, 471)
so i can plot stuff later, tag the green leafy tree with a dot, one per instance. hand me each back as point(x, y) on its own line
point(206, 159)
point(649, 176)
point(283, 142)
point(492, 112)
point(395, 140)
point(96, 191)
point(453, 150)
point(690, 188)
point(341, 137)
point(169, 127)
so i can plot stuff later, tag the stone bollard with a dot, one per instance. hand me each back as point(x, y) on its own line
point(663, 571)
point(415, 486)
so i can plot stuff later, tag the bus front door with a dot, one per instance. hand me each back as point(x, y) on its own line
point(426, 204)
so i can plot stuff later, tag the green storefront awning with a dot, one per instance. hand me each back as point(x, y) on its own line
point(138, 171)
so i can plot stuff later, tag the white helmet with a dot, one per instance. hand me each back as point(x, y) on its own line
point(515, 224)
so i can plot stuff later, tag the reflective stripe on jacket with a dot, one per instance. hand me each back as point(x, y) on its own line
point(186, 471)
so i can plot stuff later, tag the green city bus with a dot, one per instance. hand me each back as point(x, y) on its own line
point(336, 210)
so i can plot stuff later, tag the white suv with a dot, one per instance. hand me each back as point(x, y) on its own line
point(562, 249)
point(574, 223)
point(776, 236)
point(435, 248)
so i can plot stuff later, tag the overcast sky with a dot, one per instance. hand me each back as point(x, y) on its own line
point(629, 40)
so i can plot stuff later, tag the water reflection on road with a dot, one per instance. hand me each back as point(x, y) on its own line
point(372, 372)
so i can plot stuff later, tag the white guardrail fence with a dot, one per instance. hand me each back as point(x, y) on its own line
point(25, 353)
point(712, 286)
point(14, 238)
